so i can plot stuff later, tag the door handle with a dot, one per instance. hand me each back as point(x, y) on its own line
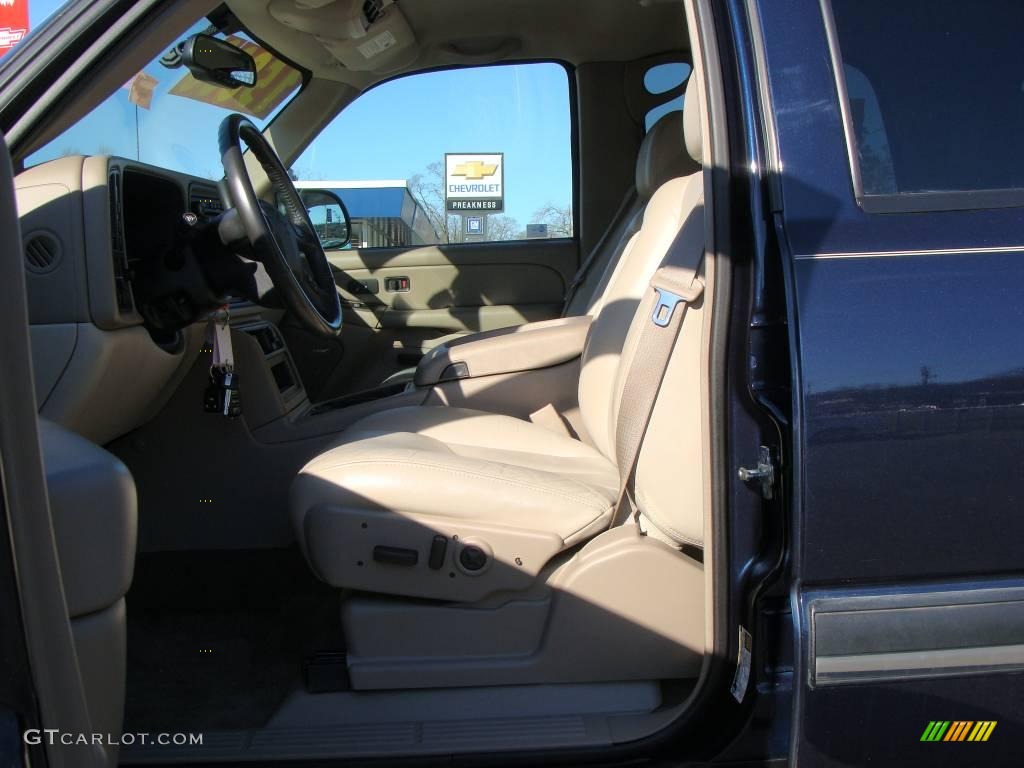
point(363, 287)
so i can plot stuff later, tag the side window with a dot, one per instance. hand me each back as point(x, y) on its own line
point(667, 81)
point(935, 94)
point(466, 155)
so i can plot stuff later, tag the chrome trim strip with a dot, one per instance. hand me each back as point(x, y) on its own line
point(839, 77)
point(893, 633)
point(834, 670)
point(922, 252)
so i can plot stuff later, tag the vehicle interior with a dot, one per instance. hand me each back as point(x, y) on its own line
point(441, 520)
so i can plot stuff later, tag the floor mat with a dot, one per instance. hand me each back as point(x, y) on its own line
point(216, 639)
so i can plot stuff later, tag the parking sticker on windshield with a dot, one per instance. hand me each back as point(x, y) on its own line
point(275, 81)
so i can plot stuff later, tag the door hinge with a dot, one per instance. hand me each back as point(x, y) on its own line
point(763, 473)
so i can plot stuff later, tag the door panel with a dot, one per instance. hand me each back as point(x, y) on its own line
point(909, 434)
point(464, 276)
point(451, 290)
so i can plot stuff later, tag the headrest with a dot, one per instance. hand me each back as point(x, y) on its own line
point(691, 121)
point(662, 155)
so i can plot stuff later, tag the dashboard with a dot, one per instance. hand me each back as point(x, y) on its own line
point(93, 228)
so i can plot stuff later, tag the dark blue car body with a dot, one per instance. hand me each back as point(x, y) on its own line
point(899, 323)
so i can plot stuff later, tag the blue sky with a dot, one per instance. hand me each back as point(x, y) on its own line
point(392, 132)
point(39, 10)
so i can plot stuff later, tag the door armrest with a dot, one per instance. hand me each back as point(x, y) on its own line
point(506, 350)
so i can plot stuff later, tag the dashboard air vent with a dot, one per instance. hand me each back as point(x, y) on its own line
point(42, 252)
point(118, 254)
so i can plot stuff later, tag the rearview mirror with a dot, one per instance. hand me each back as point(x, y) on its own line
point(329, 217)
point(216, 61)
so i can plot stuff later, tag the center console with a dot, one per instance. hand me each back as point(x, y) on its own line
point(270, 383)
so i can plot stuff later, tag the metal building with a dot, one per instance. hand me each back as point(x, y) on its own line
point(384, 213)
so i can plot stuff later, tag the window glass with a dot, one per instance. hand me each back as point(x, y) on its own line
point(465, 155)
point(936, 93)
point(668, 80)
point(165, 117)
point(872, 140)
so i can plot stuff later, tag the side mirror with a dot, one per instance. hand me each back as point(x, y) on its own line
point(216, 61)
point(329, 217)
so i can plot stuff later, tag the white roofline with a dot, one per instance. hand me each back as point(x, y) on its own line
point(369, 184)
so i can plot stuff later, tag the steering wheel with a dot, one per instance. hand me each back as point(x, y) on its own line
point(285, 243)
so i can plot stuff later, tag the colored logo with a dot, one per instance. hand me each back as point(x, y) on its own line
point(474, 170)
point(959, 730)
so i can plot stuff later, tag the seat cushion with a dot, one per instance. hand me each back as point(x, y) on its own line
point(503, 486)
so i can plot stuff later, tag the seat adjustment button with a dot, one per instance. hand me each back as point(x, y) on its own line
point(438, 547)
point(472, 558)
point(395, 556)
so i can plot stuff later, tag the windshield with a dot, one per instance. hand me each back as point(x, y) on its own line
point(167, 118)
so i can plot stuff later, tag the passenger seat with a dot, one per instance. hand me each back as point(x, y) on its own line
point(508, 491)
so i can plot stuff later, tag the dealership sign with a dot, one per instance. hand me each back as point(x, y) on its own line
point(474, 183)
point(13, 23)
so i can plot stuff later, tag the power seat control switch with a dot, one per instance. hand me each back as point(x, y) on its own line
point(438, 549)
point(472, 558)
point(395, 556)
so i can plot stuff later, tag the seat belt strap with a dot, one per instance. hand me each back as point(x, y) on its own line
point(671, 291)
point(585, 267)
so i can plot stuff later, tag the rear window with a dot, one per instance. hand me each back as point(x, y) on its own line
point(935, 93)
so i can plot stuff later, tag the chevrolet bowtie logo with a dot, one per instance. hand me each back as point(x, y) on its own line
point(474, 170)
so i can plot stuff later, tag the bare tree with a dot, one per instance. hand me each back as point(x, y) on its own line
point(428, 190)
point(557, 217)
point(307, 173)
point(502, 227)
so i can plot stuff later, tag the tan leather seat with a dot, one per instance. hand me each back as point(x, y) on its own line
point(457, 504)
point(662, 156)
point(453, 472)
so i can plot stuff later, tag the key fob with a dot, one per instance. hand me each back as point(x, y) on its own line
point(231, 398)
point(212, 398)
point(222, 395)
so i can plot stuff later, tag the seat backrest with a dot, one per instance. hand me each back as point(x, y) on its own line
point(662, 156)
point(675, 214)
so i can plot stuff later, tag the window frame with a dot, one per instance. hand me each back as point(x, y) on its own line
point(900, 202)
point(570, 72)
